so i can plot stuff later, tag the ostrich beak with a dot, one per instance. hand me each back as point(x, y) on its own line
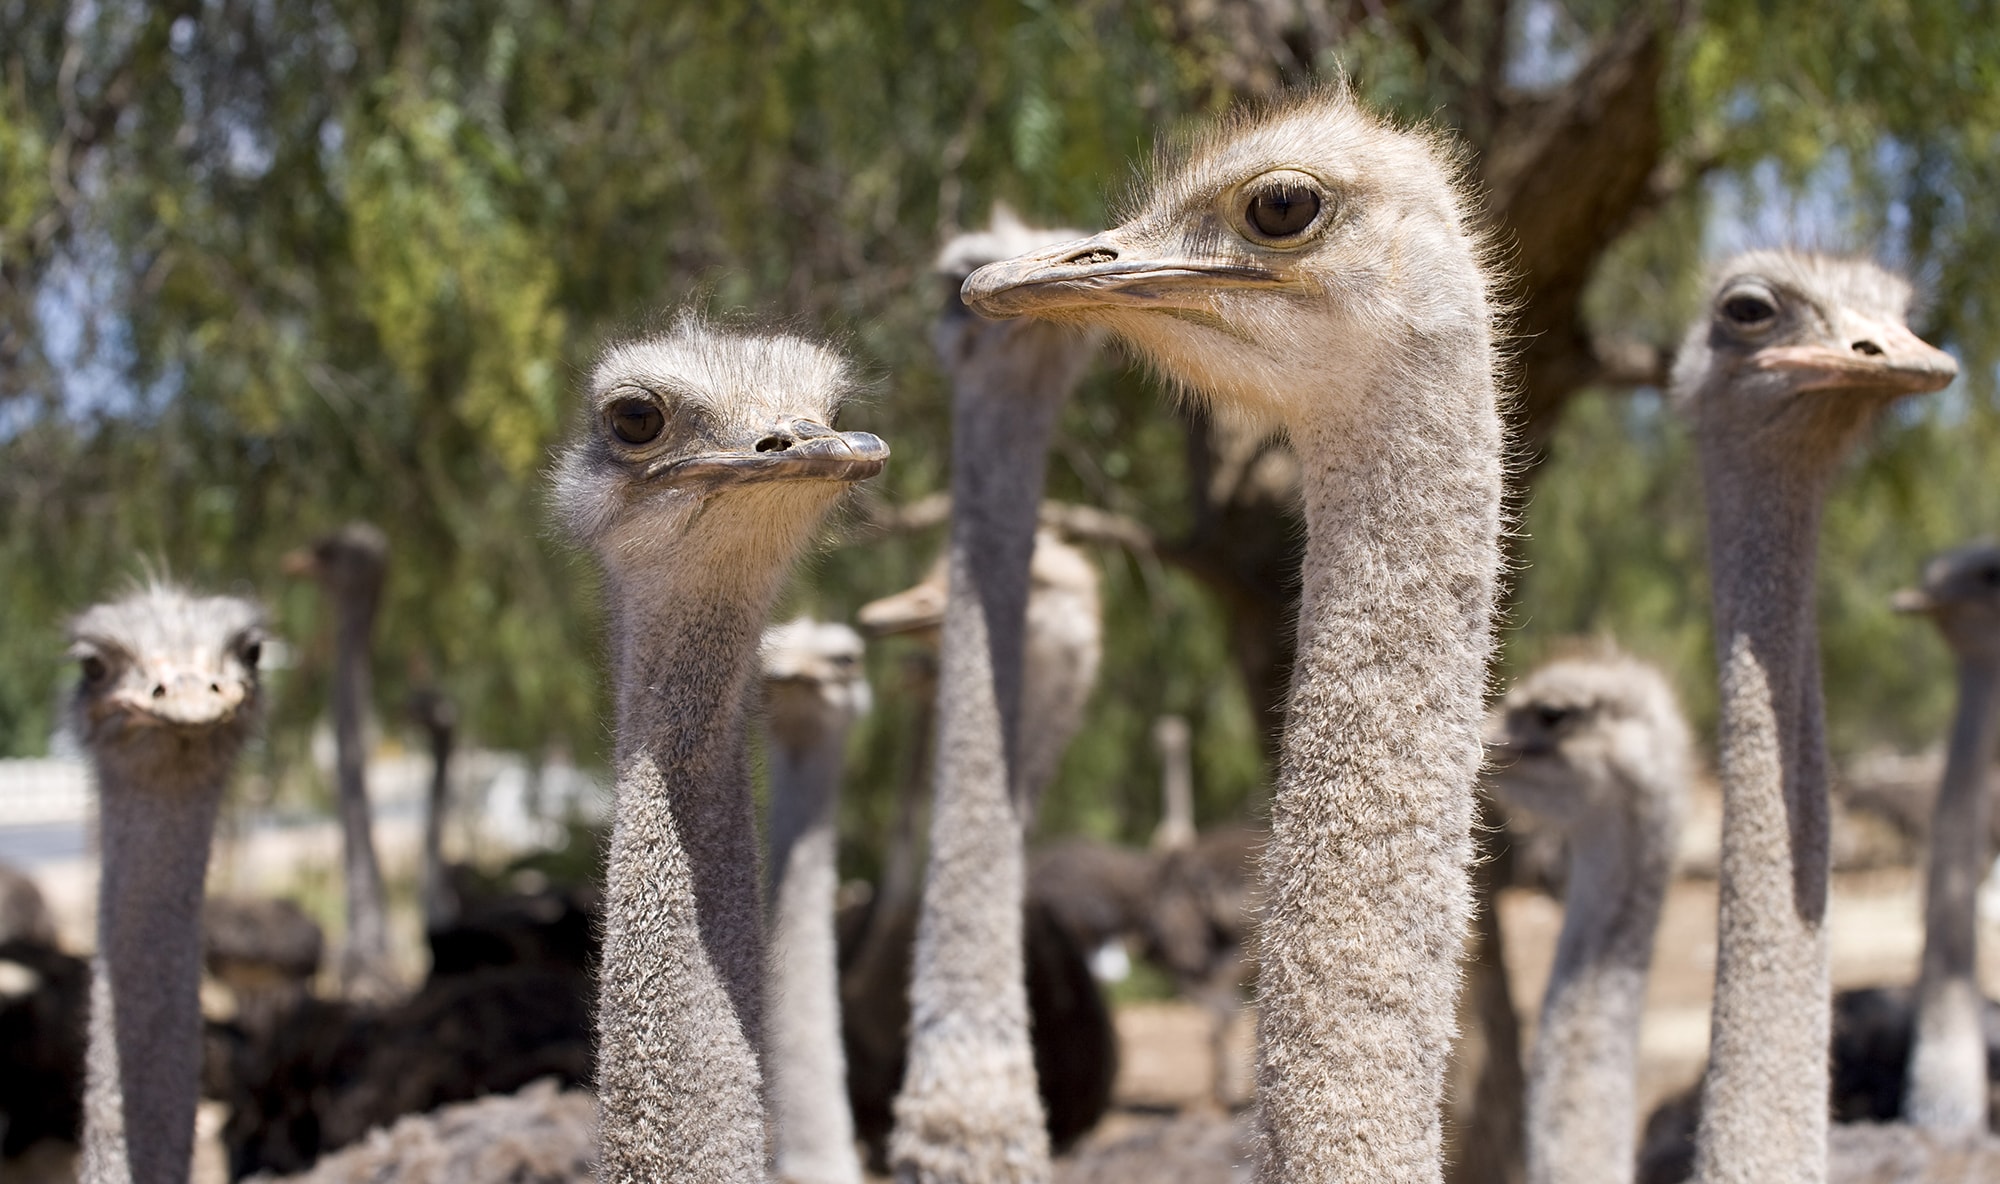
point(1912, 600)
point(299, 563)
point(908, 611)
point(175, 694)
point(1113, 269)
point(787, 450)
point(1882, 355)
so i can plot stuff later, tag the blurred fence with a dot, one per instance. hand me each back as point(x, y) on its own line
point(500, 802)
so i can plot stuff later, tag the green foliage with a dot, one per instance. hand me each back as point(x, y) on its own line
point(348, 259)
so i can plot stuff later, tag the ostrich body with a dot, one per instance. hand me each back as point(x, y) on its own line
point(968, 1109)
point(1599, 747)
point(168, 697)
point(703, 466)
point(1795, 358)
point(1946, 1089)
point(814, 690)
point(1314, 265)
point(350, 564)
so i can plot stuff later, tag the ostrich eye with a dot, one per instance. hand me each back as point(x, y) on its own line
point(93, 667)
point(1553, 717)
point(253, 653)
point(1748, 309)
point(636, 421)
point(1282, 211)
point(1990, 576)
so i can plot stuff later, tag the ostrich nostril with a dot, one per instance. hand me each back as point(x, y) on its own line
point(216, 687)
point(774, 443)
point(159, 690)
point(1868, 347)
point(1093, 255)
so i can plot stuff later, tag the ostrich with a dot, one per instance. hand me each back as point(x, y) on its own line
point(24, 915)
point(703, 466)
point(1176, 830)
point(470, 929)
point(1074, 1043)
point(814, 690)
point(167, 699)
point(1598, 746)
point(1795, 358)
point(350, 564)
point(1311, 264)
point(1946, 1090)
point(968, 1108)
point(266, 951)
point(44, 1011)
point(1063, 646)
point(435, 713)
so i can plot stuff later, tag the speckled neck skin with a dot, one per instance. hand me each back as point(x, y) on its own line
point(680, 1007)
point(1764, 1111)
point(1583, 1075)
point(1364, 877)
point(1947, 1089)
point(808, 1069)
point(145, 1015)
point(968, 1111)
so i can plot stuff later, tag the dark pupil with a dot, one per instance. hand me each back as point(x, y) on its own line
point(93, 669)
point(636, 421)
point(1283, 212)
point(1553, 716)
point(1747, 310)
point(252, 653)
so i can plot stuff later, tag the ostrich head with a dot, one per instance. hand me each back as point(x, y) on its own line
point(1013, 354)
point(813, 682)
point(1798, 352)
point(917, 610)
point(1282, 246)
point(168, 681)
point(1065, 617)
point(711, 439)
point(1582, 735)
point(1960, 591)
point(1062, 601)
point(349, 561)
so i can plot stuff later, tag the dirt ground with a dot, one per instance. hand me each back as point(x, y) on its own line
point(1168, 1073)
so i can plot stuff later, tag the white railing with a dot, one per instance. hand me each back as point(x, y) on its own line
point(40, 791)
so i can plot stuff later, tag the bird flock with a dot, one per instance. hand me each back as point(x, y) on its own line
point(720, 1015)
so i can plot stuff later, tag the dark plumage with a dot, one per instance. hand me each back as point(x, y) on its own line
point(44, 1004)
point(1075, 1044)
point(333, 1071)
point(1871, 1056)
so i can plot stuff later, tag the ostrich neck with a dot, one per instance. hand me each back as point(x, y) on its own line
point(808, 1069)
point(680, 1001)
point(144, 1057)
point(968, 1107)
point(1764, 1111)
point(436, 898)
point(1581, 1087)
point(364, 955)
point(1364, 877)
point(1947, 1081)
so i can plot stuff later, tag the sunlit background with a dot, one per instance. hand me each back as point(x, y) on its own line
point(265, 268)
